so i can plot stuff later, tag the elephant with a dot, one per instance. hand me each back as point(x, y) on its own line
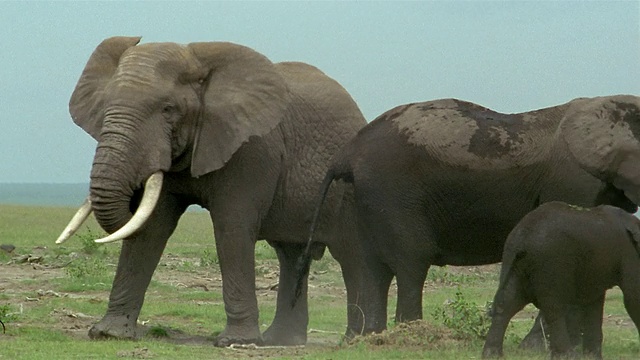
point(561, 257)
point(219, 125)
point(443, 182)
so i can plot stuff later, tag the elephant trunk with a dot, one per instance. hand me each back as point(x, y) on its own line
point(116, 173)
point(110, 192)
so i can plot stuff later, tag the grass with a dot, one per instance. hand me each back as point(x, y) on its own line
point(52, 296)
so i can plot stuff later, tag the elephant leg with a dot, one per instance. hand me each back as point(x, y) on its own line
point(348, 251)
point(631, 294)
point(289, 326)
point(370, 306)
point(592, 327)
point(139, 257)
point(556, 318)
point(235, 244)
point(508, 301)
point(410, 261)
point(411, 280)
point(368, 312)
point(398, 241)
point(241, 196)
point(574, 325)
point(535, 339)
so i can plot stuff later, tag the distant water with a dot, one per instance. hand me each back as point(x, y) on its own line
point(69, 195)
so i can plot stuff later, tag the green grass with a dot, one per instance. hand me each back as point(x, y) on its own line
point(49, 304)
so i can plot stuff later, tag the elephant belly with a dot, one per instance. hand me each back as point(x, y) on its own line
point(478, 242)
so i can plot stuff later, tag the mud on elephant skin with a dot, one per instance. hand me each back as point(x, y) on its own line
point(218, 125)
point(561, 257)
point(443, 182)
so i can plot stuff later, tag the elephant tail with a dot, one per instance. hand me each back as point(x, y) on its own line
point(507, 271)
point(304, 262)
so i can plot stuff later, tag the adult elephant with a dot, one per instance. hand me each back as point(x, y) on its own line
point(443, 182)
point(218, 125)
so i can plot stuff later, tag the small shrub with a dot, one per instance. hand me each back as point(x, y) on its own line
point(209, 258)
point(4, 256)
point(6, 315)
point(264, 251)
point(87, 267)
point(89, 245)
point(467, 320)
point(442, 275)
point(158, 332)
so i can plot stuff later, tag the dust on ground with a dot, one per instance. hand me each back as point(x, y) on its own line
point(30, 274)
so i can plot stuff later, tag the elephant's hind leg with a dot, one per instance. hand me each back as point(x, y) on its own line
point(289, 326)
point(592, 328)
point(138, 260)
point(631, 295)
point(509, 300)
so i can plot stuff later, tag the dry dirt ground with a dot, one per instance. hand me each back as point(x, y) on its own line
point(28, 274)
point(25, 285)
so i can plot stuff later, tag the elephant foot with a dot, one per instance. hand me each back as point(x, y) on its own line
point(534, 342)
point(230, 337)
point(114, 328)
point(491, 353)
point(277, 336)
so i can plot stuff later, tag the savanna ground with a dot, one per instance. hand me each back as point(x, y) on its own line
point(51, 294)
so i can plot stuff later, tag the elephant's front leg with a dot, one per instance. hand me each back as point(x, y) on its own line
point(289, 326)
point(235, 244)
point(138, 260)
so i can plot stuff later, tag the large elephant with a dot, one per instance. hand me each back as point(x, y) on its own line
point(562, 257)
point(443, 182)
point(218, 125)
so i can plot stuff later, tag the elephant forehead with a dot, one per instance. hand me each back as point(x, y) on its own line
point(150, 60)
point(474, 139)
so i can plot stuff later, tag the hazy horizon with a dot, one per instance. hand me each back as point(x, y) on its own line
point(510, 56)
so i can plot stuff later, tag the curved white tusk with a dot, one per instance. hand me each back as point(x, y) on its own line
point(76, 221)
point(150, 197)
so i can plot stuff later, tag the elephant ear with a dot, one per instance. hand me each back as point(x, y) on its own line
point(86, 101)
point(245, 96)
point(600, 134)
point(633, 230)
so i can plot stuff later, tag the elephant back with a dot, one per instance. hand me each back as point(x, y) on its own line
point(464, 134)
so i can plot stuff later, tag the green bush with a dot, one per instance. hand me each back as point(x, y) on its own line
point(209, 258)
point(89, 245)
point(467, 320)
point(6, 315)
point(87, 267)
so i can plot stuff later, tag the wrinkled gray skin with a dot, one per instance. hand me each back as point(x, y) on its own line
point(562, 257)
point(443, 182)
point(247, 139)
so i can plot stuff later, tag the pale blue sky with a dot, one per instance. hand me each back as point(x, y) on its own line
point(510, 56)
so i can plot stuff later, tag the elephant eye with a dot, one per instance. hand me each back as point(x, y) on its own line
point(168, 110)
point(201, 81)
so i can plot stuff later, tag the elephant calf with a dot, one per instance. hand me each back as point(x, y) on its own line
point(561, 256)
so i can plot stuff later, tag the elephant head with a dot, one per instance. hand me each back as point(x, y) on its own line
point(163, 107)
point(632, 226)
point(603, 136)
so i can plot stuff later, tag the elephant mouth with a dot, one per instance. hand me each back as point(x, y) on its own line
point(632, 199)
point(628, 198)
point(142, 206)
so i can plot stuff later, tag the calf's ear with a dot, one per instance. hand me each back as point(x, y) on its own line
point(633, 230)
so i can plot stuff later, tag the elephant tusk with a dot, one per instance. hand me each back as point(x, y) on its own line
point(76, 221)
point(152, 189)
